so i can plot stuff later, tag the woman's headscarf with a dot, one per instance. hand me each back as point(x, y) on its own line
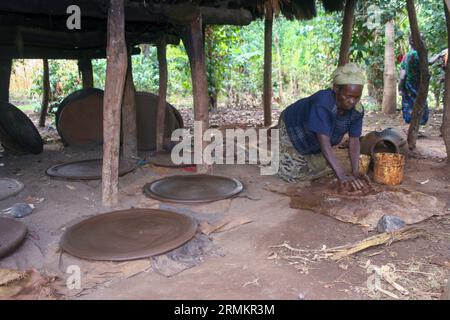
point(351, 73)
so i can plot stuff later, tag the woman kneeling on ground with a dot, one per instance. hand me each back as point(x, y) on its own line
point(311, 126)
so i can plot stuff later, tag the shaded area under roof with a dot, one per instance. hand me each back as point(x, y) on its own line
point(38, 29)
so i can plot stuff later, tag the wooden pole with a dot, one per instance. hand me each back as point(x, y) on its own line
point(192, 36)
point(422, 94)
point(389, 104)
point(45, 93)
point(161, 110)
point(116, 68)
point(5, 77)
point(129, 130)
point(446, 117)
point(87, 76)
point(268, 90)
point(347, 29)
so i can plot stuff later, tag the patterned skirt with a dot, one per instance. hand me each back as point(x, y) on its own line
point(295, 167)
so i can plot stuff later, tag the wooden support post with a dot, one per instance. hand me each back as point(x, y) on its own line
point(87, 75)
point(268, 88)
point(5, 77)
point(116, 68)
point(129, 126)
point(424, 81)
point(192, 36)
point(446, 118)
point(161, 110)
point(347, 29)
point(45, 93)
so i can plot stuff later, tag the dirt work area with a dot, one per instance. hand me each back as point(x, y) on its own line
point(254, 246)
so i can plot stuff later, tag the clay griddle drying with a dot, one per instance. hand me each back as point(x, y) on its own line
point(12, 233)
point(128, 235)
point(17, 132)
point(164, 160)
point(86, 169)
point(193, 188)
point(79, 119)
point(9, 188)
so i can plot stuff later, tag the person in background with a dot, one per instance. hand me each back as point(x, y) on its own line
point(409, 84)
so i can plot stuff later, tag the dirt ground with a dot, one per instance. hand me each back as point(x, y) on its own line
point(251, 268)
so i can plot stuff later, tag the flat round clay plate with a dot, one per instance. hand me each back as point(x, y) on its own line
point(86, 169)
point(165, 160)
point(12, 233)
point(9, 187)
point(128, 235)
point(193, 188)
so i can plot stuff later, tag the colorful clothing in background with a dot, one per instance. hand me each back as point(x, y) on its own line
point(410, 64)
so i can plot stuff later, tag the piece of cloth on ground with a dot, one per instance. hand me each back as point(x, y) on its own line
point(294, 167)
point(367, 210)
point(187, 256)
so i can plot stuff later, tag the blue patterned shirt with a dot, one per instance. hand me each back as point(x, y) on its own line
point(318, 114)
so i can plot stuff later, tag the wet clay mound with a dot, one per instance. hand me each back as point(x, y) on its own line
point(366, 210)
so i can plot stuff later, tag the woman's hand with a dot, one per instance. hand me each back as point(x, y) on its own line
point(354, 183)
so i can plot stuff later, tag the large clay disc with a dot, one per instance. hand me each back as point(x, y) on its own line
point(86, 169)
point(165, 160)
point(193, 188)
point(79, 119)
point(146, 105)
point(9, 187)
point(18, 134)
point(12, 233)
point(128, 234)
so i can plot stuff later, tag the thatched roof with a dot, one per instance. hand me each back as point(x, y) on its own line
point(37, 28)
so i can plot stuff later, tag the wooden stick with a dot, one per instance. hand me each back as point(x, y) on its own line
point(268, 90)
point(87, 75)
point(161, 109)
point(347, 29)
point(5, 76)
point(422, 94)
point(114, 87)
point(129, 131)
point(192, 36)
point(45, 93)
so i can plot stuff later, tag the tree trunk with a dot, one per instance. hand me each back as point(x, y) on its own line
point(5, 77)
point(129, 130)
point(280, 72)
point(389, 104)
point(419, 104)
point(347, 29)
point(87, 76)
point(446, 117)
point(161, 110)
point(45, 93)
point(116, 68)
point(267, 95)
point(192, 36)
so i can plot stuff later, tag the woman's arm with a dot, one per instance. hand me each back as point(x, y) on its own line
point(327, 150)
